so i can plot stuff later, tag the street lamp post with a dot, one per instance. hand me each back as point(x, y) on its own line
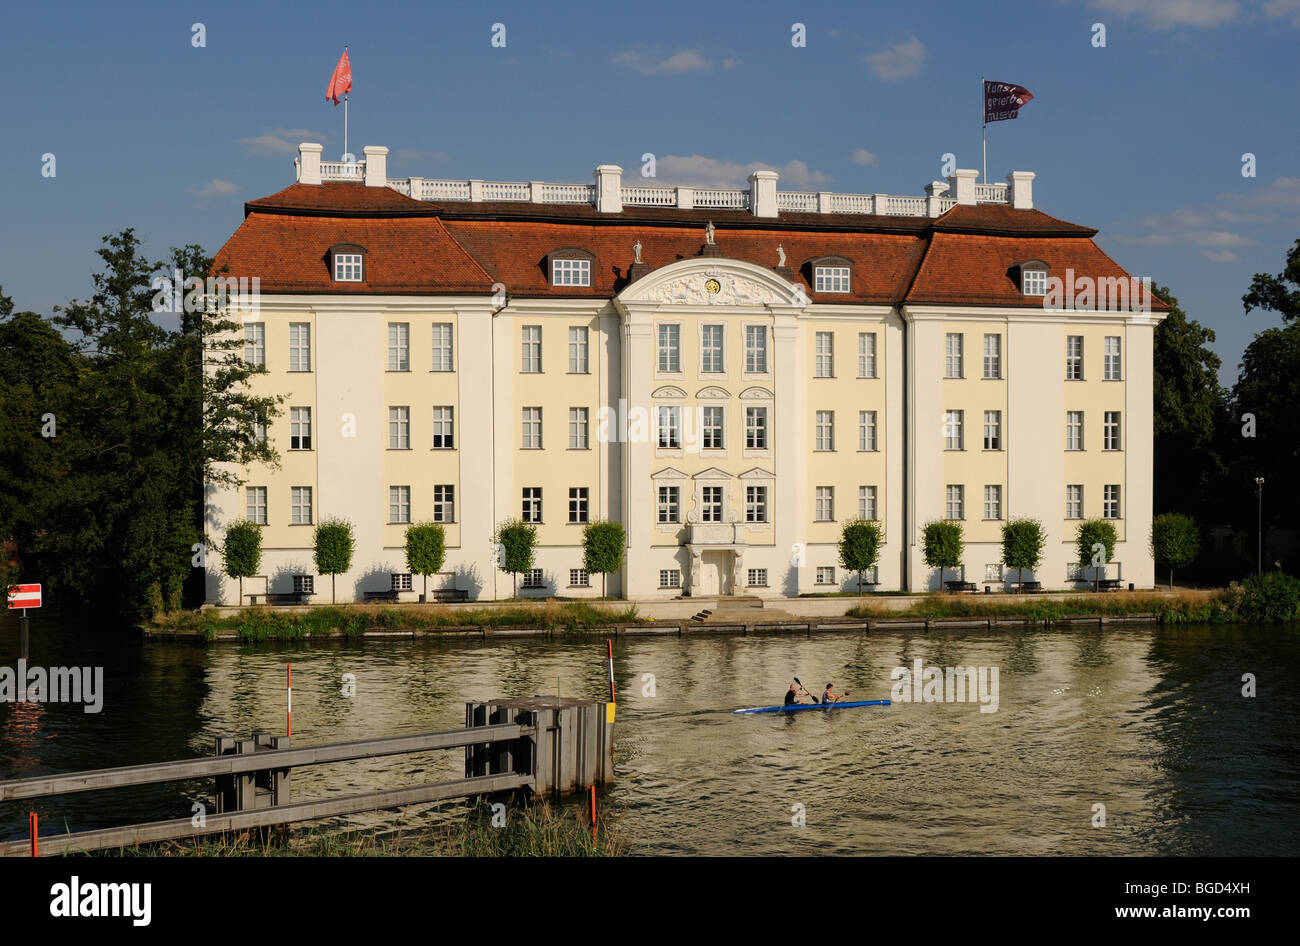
point(1259, 526)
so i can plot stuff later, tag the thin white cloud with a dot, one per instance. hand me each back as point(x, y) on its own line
point(280, 141)
point(1171, 14)
point(730, 63)
point(1278, 9)
point(688, 60)
point(865, 157)
point(1206, 225)
point(414, 156)
point(696, 170)
point(216, 188)
point(898, 62)
point(1221, 256)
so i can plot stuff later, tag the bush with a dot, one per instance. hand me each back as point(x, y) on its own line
point(1269, 598)
point(860, 542)
point(942, 542)
point(1175, 542)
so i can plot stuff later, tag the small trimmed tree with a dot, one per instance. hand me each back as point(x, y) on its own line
point(334, 546)
point(860, 542)
point(942, 545)
point(517, 540)
point(426, 550)
point(1022, 546)
point(603, 545)
point(242, 555)
point(1095, 537)
point(1175, 541)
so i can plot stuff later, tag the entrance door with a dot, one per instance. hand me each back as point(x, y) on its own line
point(715, 573)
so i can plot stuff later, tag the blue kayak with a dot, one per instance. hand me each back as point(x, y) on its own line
point(796, 707)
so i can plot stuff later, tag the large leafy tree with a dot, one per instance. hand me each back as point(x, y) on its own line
point(517, 540)
point(426, 549)
point(860, 542)
point(1095, 542)
point(603, 545)
point(1022, 546)
point(335, 544)
point(942, 545)
point(1175, 541)
point(242, 554)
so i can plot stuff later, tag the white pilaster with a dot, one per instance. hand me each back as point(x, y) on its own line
point(309, 162)
point(376, 157)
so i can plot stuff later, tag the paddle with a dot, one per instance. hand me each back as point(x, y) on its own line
point(805, 691)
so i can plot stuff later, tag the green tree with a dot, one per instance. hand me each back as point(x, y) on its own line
point(1175, 541)
point(860, 542)
point(334, 547)
point(517, 540)
point(1022, 546)
point(1093, 538)
point(426, 549)
point(942, 545)
point(242, 554)
point(603, 545)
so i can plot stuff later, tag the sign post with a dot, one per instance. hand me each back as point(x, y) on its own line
point(24, 597)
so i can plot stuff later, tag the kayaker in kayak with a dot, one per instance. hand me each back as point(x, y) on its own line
point(792, 696)
point(829, 697)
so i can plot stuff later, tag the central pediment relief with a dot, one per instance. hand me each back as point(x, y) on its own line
point(712, 288)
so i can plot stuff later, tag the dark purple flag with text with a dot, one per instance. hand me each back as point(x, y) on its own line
point(1002, 100)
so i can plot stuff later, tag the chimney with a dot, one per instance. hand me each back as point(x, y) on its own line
point(609, 189)
point(1022, 189)
point(376, 165)
point(962, 185)
point(762, 193)
point(309, 162)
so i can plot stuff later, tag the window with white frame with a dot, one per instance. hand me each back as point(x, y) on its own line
point(993, 571)
point(531, 354)
point(532, 508)
point(578, 578)
point(533, 578)
point(401, 581)
point(255, 504)
point(670, 428)
point(304, 584)
point(670, 348)
point(1074, 571)
point(756, 578)
point(1112, 359)
point(825, 574)
point(867, 503)
point(711, 428)
point(444, 503)
point(257, 433)
point(867, 430)
point(399, 428)
point(579, 437)
point(670, 578)
point(954, 434)
point(570, 272)
point(670, 504)
point(579, 362)
point(756, 349)
point(1033, 282)
point(1074, 501)
point(992, 430)
point(300, 428)
point(300, 346)
point(756, 428)
point(532, 432)
point(1110, 502)
point(866, 354)
point(444, 427)
point(954, 502)
point(1110, 439)
point(831, 279)
point(993, 356)
point(1074, 430)
point(824, 349)
point(399, 504)
point(711, 355)
point(578, 503)
point(399, 346)
point(952, 355)
point(825, 431)
point(347, 267)
point(992, 502)
point(442, 346)
point(756, 504)
point(300, 505)
point(1074, 358)
point(255, 344)
point(711, 504)
point(825, 504)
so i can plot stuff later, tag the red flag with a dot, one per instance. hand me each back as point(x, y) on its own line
point(341, 81)
point(1002, 100)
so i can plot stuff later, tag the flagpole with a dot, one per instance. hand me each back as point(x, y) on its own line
point(984, 128)
point(345, 104)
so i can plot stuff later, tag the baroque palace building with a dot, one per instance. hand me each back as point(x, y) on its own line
point(731, 374)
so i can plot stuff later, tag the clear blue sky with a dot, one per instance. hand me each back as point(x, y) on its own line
point(1142, 139)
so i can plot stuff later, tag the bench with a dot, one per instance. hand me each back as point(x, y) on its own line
point(1026, 586)
point(959, 585)
point(450, 595)
point(288, 597)
point(1108, 584)
point(389, 595)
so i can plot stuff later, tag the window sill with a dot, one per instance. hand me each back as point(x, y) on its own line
point(301, 524)
point(400, 449)
point(442, 371)
point(579, 449)
point(299, 371)
point(587, 373)
point(397, 371)
point(442, 449)
point(868, 449)
point(580, 586)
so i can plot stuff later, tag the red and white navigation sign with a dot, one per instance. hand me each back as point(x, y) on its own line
point(24, 596)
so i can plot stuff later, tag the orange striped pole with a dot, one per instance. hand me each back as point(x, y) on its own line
point(33, 827)
point(289, 690)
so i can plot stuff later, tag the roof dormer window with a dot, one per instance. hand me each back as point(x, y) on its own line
point(347, 262)
point(832, 274)
point(570, 266)
point(1033, 278)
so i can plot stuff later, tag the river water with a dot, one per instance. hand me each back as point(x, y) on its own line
point(1150, 723)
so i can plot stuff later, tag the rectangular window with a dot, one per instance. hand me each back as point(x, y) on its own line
point(831, 279)
point(571, 272)
point(1110, 430)
point(1074, 430)
point(993, 571)
point(756, 504)
point(578, 360)
point(578, 578)
point(444, 428)
point(255, 344)
point(532, 420)
point(825, 574)
point(756, 349)
point(712, 429)
point(300, 428)
point(825, 350)
point(670, 427)
point(255, 504)
point(825, 430)
point(825, 504)
point(578, 429)
point(955, 502)
point(756, 578)
point(867, 503)
point(993, 356)
point(1034, 282)
point(1073, 571)
point(300, 505)
point(1112, 362)
point(532, 504)
point(300, 346)
point(670, 503)
point(442, 348)
point(578, 500)
point(952, 355)
point(258, 433)
point(1074, 502)
point(867, 430)
point(399, 504)
point(711, 355)
point(1074, 358)
point(1110, 502)
point(444, 503)
point(866, 354)
point(992, 430)
point(401, 581)
point(670, 348)
point(533, 578)
point(304, 584)
point(954, 434)
point(711, 504)
point(347, 267)
point(756, 428)
point(399, 346)
point(399, 428)
point(670, 578)
point(532, 349)
point(992, 502)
